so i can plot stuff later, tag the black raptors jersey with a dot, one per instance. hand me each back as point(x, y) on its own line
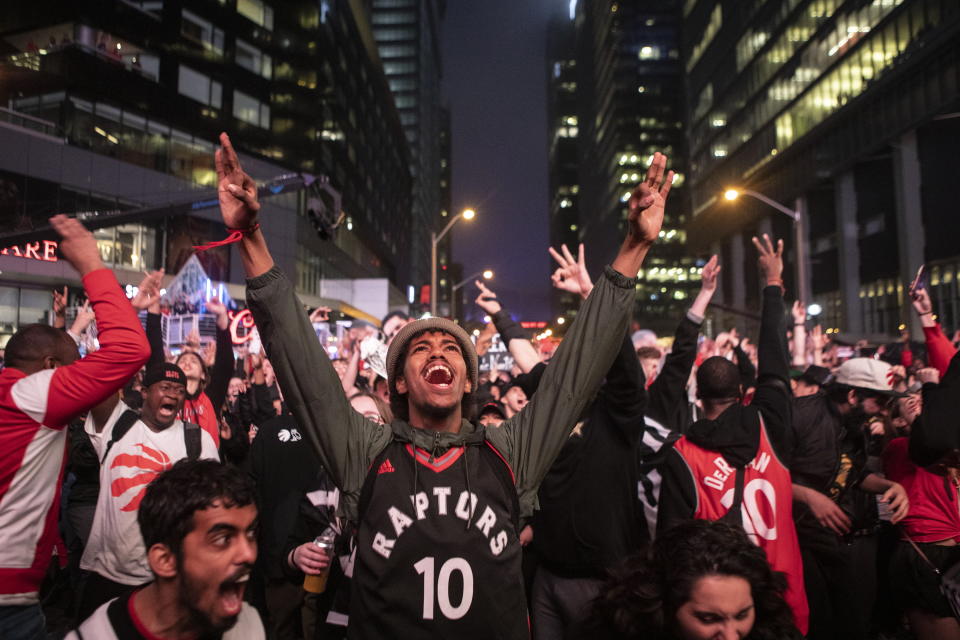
point(437, 550)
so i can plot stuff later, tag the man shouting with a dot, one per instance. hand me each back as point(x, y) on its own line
point(435, 497)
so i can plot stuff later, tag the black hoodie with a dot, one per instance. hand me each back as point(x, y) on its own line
point(735, 434)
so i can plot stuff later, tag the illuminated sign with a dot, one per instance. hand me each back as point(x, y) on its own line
point(241, 320)
point(45, 251)
point(533, 325)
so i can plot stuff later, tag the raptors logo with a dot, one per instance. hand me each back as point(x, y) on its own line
point(147, 464)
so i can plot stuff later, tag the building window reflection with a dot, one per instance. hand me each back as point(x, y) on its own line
point(128, 246)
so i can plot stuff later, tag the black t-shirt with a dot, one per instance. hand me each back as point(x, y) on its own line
point(283, 467)
point(816, 427)
point(438, 554)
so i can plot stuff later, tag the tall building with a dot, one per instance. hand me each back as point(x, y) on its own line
point(626, 73)
point(845, 112)
point(117, 105)
point(408, 38)
point(562, 155)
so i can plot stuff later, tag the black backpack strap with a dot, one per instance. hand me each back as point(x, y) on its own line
point(191, 438)
point(504, 474)
point(120, 429)
point(733, 515)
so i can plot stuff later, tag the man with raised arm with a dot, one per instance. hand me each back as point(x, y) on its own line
point(436, 498)
point(730, 464)
point(43, 387)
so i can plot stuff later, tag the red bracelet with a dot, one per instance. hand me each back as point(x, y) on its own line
point(236, 235)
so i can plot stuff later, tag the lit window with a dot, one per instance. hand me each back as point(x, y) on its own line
point(718, 121)
point(257, 11)
point(251, 58)
point(573, 227)
point(249, 109)
point(199, 87)
point(566, 203)
point(719, 151)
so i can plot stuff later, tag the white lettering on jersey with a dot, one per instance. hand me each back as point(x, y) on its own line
point(399, 519)
point(751, 514)
point(462, 510)
point(420, 503)
point(486, 521)
point(498, 544)
point(441, 493)
point(383, 545)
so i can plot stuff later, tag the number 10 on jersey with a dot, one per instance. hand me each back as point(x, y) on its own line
point(439, 584)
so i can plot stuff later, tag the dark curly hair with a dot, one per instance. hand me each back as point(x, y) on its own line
point(166, 513)
point(641, 598)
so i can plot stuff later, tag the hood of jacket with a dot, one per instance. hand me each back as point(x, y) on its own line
point(735, 434)
point(438, 441)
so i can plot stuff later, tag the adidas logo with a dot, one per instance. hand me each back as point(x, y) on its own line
point(386, 467)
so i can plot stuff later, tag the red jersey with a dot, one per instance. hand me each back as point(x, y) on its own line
point(934, 509)
point(767, 508)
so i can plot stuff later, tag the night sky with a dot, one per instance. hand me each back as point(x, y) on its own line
point(495, 81)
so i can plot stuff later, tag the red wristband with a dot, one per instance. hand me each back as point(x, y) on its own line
point(236, 235)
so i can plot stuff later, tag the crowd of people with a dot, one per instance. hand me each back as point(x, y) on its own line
point(619, 486)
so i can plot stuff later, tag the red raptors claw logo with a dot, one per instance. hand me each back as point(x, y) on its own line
point(150, 464)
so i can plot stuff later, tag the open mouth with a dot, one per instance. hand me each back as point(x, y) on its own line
point(439, 374)
point(231, 594)
point(167, 410)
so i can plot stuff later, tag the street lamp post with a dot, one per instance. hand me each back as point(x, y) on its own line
point(435, 238)
point(799, 232)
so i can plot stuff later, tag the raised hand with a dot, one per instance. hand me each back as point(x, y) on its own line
point(487, 300)
point(921, 301)
point(85, 316)
point(770, 259)
point(148, 293)
point(799, 312)
point(237, 191)
point(218, 309)
point(77, 244)
point(648, 201)
point(710, 275)
point(60, 308)
point(572, 274)
point(193, 340)
point(60, 301)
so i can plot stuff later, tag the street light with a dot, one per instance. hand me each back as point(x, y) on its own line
point(798, 232)
point(486, 273)
point(435, 238)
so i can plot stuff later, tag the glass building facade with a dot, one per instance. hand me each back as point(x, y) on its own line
point(844, 112)
point(139, 91)
point(615, 84)
point(408, 40)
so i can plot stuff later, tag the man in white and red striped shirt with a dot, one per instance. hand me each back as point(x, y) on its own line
point(44, 387)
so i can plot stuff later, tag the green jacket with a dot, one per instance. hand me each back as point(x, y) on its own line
point(347, 443)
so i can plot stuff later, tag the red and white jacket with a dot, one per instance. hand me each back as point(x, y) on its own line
point(34, 412)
